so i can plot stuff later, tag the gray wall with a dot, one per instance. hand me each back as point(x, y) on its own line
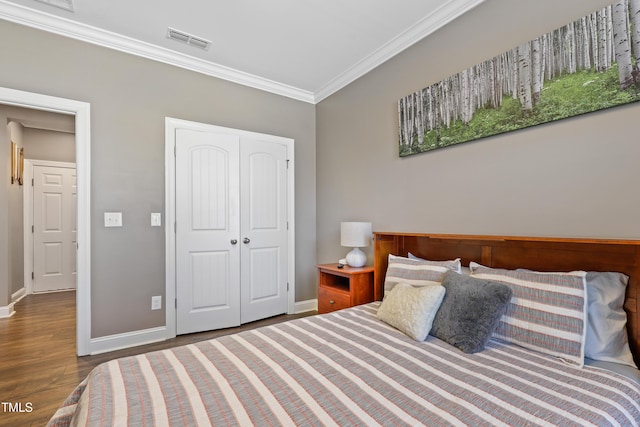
point(575, 177)
point(42, 144)
point(130, 98)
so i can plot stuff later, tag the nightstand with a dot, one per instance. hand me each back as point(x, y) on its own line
point(340, 288)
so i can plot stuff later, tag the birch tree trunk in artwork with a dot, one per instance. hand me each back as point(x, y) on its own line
point(438, 116)
point(400, 133)
point(466, 96)
point(586, 53)
point(634, 14)
point(570, 50)
point(407, 123)
point(536, 72)
point(515, 78)
point(524, 76)
point(603, 41)
point(622, 45)
point(420, 117)
point(593, 31)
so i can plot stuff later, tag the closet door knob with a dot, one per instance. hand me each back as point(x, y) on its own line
point(234, 241)
point(246, 240)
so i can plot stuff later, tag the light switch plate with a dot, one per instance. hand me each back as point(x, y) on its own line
point(156, 302)
point(156, 219)
point(113, 219)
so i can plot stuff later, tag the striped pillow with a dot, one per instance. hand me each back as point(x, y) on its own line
point(547, 312)
point(417, 272)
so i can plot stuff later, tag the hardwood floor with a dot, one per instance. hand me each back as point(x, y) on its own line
point(38, 364)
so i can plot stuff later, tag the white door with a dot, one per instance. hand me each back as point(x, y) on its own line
point(207, 231)
point(54, 228)
point(263, 190)
point(231, 237)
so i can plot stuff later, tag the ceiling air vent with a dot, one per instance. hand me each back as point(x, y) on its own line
point(62, 4)
point(187, 38)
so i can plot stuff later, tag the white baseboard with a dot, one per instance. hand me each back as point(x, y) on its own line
point(7, 311)
point(148, 336)
point(18, 295)
point(126, 340)
point(304, 306)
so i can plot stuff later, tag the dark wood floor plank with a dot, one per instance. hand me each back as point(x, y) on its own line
point(38, 362)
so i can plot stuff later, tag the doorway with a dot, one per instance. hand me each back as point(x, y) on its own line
point(81, 111)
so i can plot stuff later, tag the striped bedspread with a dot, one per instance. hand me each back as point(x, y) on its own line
point(346, 368)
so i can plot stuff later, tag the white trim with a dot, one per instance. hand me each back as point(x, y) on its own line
point(441, 16)
point(171, 125)
point(127, 340)
point(446, 13)
point(7, 311)
point(27, 210)
point(18, 295)
point(305, 306)
point(65, 27)
point(82, 112)
point(170, 224)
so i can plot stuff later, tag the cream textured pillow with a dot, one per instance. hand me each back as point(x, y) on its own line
point(410, 309)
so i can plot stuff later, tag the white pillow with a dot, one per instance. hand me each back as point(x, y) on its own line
point(607, 329)
point(412, 309)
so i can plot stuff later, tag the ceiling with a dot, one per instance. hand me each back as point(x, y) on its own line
point(303, 49)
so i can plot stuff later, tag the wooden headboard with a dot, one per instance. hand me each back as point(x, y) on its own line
point(542, 254)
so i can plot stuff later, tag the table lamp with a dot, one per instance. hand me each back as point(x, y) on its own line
point(355, 235)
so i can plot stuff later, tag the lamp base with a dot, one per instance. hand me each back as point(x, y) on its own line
point(356, 258)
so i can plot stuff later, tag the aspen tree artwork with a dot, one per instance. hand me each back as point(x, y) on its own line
point(587, 65)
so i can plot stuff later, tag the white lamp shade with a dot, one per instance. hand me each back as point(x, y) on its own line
point(355, 234)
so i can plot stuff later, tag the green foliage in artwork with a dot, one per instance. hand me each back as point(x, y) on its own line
point(566, 96)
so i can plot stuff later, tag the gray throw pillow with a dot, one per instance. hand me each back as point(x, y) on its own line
point(470, 311)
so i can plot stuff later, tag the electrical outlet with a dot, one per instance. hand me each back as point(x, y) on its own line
point(156, 302)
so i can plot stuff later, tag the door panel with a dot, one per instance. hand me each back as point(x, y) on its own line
point(54, 228)
point(206, 268)
point(264, 223)
point(207, 263)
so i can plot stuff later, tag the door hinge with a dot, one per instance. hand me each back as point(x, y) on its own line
point(33, 276)
point(287, 286)
point(32, 229)
point(288, 163)
point(32, 184)
point(176, 303)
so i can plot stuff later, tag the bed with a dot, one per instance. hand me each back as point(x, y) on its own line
point(351, 368)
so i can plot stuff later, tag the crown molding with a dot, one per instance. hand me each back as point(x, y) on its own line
point(441, 16)
point(447, 12)
point(68, 28)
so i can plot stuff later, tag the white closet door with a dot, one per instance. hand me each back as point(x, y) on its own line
point(54, 228)
point(207, 218)
point(263, 190)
